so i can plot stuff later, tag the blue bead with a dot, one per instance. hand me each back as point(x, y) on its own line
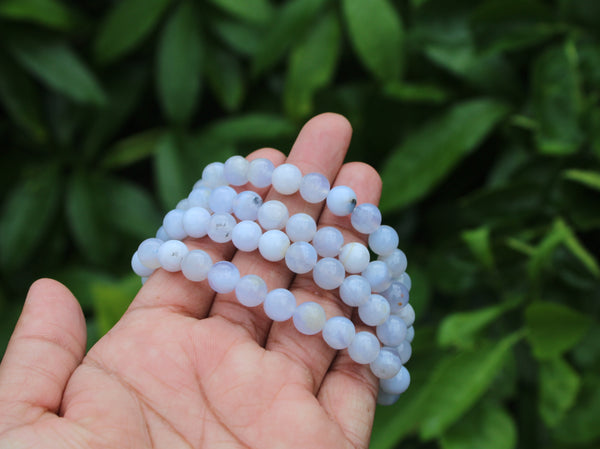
point(366, 218)
point(338, 332)
point(223, 277)
point(309, 318)
point(397, 384)
point(280, 304)
point(251, 290)
point(387, 364)
point(364, 348)
point(392, 332)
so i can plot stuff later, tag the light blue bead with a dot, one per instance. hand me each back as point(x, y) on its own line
point(235, 170)
point(375, 311)
point(221, 200)
point(309, 318)
point(273, 245)
point(341, 200)
point(148, 252)
point(220, 227)
point(260, 172)
point(246, 204)
point(397, 384)
point(338, 332)
point(407, 314)
point(212, 175)
point(384, 240)
point(246, 235)
point(404, 351)
point(406, 280)
point(196, 264)
point(355, 290)
point(387, 364)
point(300, 257)
point(273, 215)
point(223, 277)
point(280, 304)
point(183, 204)
point(378, 275)
point(355, 257)
point(392, 332)
point(366, 218)
point(251, 290)
point(410, 334)
point(286, 179)
point(328, 273)
point(199, 197)
point(301, 228)
point(195, 221)
point(364, 348)
point(139, 268)
point(396, 262)
point(328, 241)
point(161, 234)
point(397, 295)
point(384, 398)
point(314, 187)
point(171, 253)
point(173, 224)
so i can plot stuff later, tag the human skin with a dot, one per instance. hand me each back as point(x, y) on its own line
point(185, 368)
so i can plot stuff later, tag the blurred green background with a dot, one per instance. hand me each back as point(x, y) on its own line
point(482, 116)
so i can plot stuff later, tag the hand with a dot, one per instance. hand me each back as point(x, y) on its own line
point(185, 368)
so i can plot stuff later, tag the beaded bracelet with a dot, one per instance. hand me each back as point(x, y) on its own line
point(388, 311)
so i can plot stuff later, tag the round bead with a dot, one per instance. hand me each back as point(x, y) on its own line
point(280, 304)
point(378, 275)
point(195, 265)
point(183, 204)
point(171, 253)
point(273, 215)
point(328, 241)
point(396, 262)
point(223, 277)
point(301, 227)
point(148, 252)
point(246, 235)
point(195, 221)
point(212, 175)
point(366, 218)
point(397, 295)
point(341, 200)
point(251, 290)
point(384, 398)
point(199, 197)
point(364, 348)
point(407, 314)
point(260, 172)
point(161, 234)
point(314, 187)
point(406, 280)
point(235, 170)
point(338, 332)
point(173, 224)
point(404, 351)
point(375, 311)
point(309, 318)
point(392, 332)
point(355, 257)
point(410, 334)
point(273, 245)
point(355, 290)
point(387, 364)
point(384, 240)
point(300, 257)
point(286, 179)
point(139, 268)
point(328, 273)
point(220, 227)
point(397, 384)
point(245, 205)
point(221, 199)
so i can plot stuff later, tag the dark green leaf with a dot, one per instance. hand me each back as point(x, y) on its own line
point(559, 384)
point(225, 77)
point(251, 127)
point(50, 13)
point(258, 11)
point(434, 150)
point(554, 328)
point(111, 300)
point(588, 178)
point(80, 280)
point(133, 149)
point(377, 36)
point(418, 93)
point(580, 425)
point(179, 60)
point(125, 26)
point(170, 172)
point(243, 38)
point(479, 243)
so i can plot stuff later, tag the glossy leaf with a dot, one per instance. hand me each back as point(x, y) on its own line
point(251, 127)
point(580, 425)
point(479, 243)
point(241, 37)
point(587, 178)
point(559, 385)
point(258, 11)
point(415, 92)
point(226, 78)
point(132, 149)
point(50, 13)
point(170, 172)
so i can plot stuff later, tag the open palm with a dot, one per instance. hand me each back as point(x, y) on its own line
point(187, 368)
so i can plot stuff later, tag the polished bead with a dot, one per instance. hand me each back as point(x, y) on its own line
point(139, 268)
point(384, 398)
point(235, 170)
point(410, 334)
point(173, 224)
point(404, 350)
point(407, 314)
point(273, 215)
point(364, 348)
point(397, 295)
point(309, 318)
point(273, 245)
point(246, 204)
point(300, 257)
point(314, 187)
point(338, 332)
point(280, 304)
point(375, 311)
point(396, 262)
point(246, 235)
point(355, 290)
point(397, 384)
point(366, 218)
point(196, 264)
point(341, 200)
point(199, 197)
point(148, 252)
point(260, 172)
point(328, 241)
point(406, 280)
point(170, 255)
point(183, 204)
point(286, 179)
point(301, 227)
point(195, 221)
point(221, 200)
point(223, 277)
point(212, 175)
point(387, 364)
point(392, 332)
point(328, 273)
point(220, 227)
point(251, 290)
point(355, 257)
point(384, 240)
point(161, 234)
point(378, 275)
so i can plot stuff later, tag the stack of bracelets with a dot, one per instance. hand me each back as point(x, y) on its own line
point(379, 288)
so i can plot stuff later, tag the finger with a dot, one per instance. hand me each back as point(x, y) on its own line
point(311, 352)
point(320, 147)
point(47, 345)
point(172, 291)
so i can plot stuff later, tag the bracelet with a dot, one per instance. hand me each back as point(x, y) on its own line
point(380, 288)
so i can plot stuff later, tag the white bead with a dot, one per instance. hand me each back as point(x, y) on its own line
point(148, 252)
point(300, 257)
point(223, 277)
point(384, 398)
point(236, 170)
point(173, 224)
point(364, 348)
point(251, 290)
point(407, 314)
point(338, 332)
point(396, 262)
point(196, 264)
point(195, 221)
point(212, 175)
point(171, 253)
point(392, 332)
point(397, 384)
point(328, 273)
point(220, 227)
point(161, 234)
point(314, 187)
point(397, 295)
point(286, 179)
point(387, 364)
point(384, 240)
point(199, 197)
point(309, 318)
point(355, 290)
point(355, 257)
point(328, 241)
point(280, 304)
point(183, 204)
point(404, 350)
point(341, 200)
point(139, 268)
point(406, 280)
point(273, 215)
point(221, 200)
point(378, 275)
point(273, 245)
point(366, 218)
point(410, 334)
point(260, 172)
point(375, 311)
point(301, 227)
point(246, 235)
point(246, 204)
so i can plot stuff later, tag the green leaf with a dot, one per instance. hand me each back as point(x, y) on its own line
point(225, 77)
point(486, 426)
point(125, 26)
point(413, 92)
point(132, 149)
point(312, 65)
point(49, 13)
point(179, 60)
point(433, 150)
point(557, 100)
point(288, 26)
point(56, 65)
point(257, 11)
point(377, 36)
point(588, 178)
point(27, 213)
point(250, 127)
point(170, 172)
point(111, 300)
point(80, 281)
point(241, 37)
point(580, 425)
point(559, 385)
point(479, 243)
point(553, 328)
